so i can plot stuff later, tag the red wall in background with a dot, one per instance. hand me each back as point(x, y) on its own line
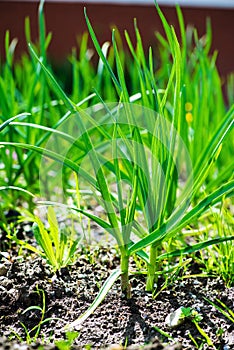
point(66, 21)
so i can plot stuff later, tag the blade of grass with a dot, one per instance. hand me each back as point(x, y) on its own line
point(101, 54)
point(229, 314)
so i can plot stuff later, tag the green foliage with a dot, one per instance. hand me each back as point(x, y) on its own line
point(68, 342)
point(58, 246)
point(33, 334)
point(195, 317)
point(192, 314)
point(221, 307)
point(219, 259)
point(156, 160)
point(23, 89)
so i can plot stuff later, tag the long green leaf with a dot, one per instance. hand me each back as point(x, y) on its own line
point(59, 158)
point(10, 120)
point(16, 188)
point(194, 248)
point(99, 298)
point(103, 187)
point(44, 241)
point(55, 86)
point(95, 218)
point(175, 223)
point(100, 53)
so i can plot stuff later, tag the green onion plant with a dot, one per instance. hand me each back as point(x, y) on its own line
point(154, 159)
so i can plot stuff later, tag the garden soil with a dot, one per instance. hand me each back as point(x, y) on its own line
point(117, 323)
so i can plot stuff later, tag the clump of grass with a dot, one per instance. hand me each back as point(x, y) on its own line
point(219, 259)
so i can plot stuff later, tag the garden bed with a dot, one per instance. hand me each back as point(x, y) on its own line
point(116, 212)
point(117, 320)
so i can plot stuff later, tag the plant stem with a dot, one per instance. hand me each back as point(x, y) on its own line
point(151, 269)
point(124, 264)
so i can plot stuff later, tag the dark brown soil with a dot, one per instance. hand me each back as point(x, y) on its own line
point(116, 321)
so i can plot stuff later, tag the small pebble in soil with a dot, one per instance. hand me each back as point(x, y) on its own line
point(175, 318)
